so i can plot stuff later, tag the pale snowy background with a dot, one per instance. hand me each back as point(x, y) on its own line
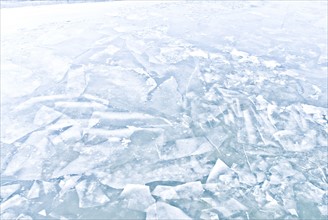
point(164, 110)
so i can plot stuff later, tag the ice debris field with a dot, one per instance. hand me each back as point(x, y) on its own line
point(164, 110)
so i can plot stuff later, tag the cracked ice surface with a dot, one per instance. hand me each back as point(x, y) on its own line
point(164, 110)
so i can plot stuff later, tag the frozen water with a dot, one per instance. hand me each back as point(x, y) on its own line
point(164, 110)
point(161, 210)
point(137, 197)
point(190, 190)
point(34, 191)
point(8, 190)
point(90, 194)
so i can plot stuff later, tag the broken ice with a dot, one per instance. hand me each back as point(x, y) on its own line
point(164, 110)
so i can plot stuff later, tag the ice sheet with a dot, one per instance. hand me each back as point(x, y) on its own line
point(164, 110)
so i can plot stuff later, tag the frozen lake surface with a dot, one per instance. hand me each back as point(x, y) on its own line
point(24, 3)
point(164, 110)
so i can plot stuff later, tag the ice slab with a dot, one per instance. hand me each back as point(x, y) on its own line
point(161, 210)
point(219, 168)
point(181, 148)
point(166, 99)
point(15, 130)
point(26, 158)
point(8, 190)
point(45, 115)
point(122, 119)
point(14, 202)
point(90, 194)
point(109, 82)
point(191, 190)
point(77, 81)
point(208, 214)
point(17, 81)
point(137, 197)
point(34, 191)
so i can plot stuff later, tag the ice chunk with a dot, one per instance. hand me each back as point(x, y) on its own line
point(62, 123)
point(125, 89)
point(24, 217)
point(307, 209)
point(81, 106)
point(26, 164)
point(14, 129)
point(8, 190)
point(312, 193)
point(13, 202)
point(296, 142)
point(79, 111)
point(165, 192)
point(231, 207)
point(146, 138)
point(123, 119)
point(108, 51)
point(40, 143)
point(228, 207)
point(216, 137)
point(323, 210)
point(235, 205)
point(181, 148)
point(315, 113)
point(182, 170)
point(137, 197)
point(69, 136)
point(203, 148)
point(17, 81)
point(219, 168)
point(45, 115)
point(171, 54)
point(191, 190)
point(136, 45)
point(76, 81)
point(293, 212)
point(38, 99)
point(161, 210)
point(8, 215)
point(199, 53)
point(251, 132)
point(66, 205)
point(68, 183)
point(208, 214)
point(120, 133)
point(166, 98)
point(48, 187)
point(90, 194)
point(271, 64)
point(245, 176)
point(76, 164)
point(43, 212)
point(34, 191)
point(96, 99)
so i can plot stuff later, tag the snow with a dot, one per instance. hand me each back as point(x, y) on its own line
point(164, 110)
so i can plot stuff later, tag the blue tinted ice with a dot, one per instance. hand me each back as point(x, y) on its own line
point(164, 110)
